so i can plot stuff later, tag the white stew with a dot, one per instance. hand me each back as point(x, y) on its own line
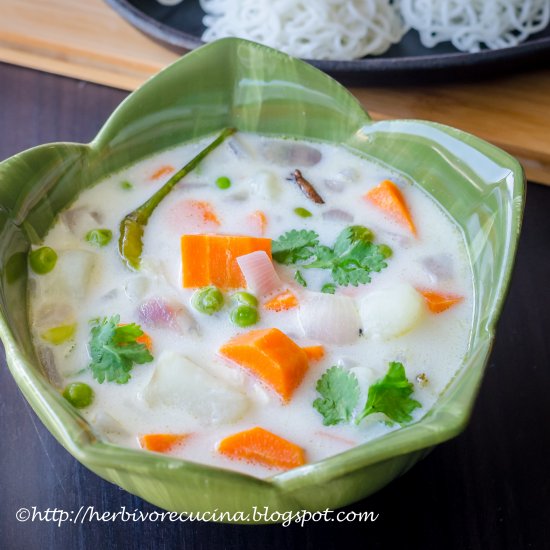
point(293, 300)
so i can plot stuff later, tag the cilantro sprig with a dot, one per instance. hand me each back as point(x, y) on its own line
point(114, 350)
point(391, 396)
point(339, 390)
point(351, 260)
point(294, 246)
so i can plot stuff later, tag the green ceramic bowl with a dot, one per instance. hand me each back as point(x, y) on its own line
point(237, 83)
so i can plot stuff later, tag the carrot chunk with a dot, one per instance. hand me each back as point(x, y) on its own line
point(197, 213)
point(205, 211)
point(438, 302)
point(263, 447)
point(162, 171)
point(212, 259)
point(145, 339)
point(195, 260)
point(270, 355)
point(314, 353)
point(283, 301)
point(161, 443)
point(388, 197)
point(192, 216)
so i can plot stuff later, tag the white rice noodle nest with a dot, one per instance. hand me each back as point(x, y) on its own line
point(310, 29)
point(472, 24)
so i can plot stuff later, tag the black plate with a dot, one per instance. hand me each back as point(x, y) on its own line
point(180, 27)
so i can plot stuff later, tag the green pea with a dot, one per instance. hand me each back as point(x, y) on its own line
point(245, 298)
point(244, 316)
point(385, 250)
point(99, 237)
point(58, 335)
point(207, 300)
point(79, 395)
point(126, 185)
point(223, 182)
point(43, 260)
point(303, 212)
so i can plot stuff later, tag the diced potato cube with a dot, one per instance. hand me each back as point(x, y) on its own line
point(178, 382)
point(392, 311)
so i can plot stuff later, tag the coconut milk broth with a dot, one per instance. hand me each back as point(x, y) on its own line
point(120, 414)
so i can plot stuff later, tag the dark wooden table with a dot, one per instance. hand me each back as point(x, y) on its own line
point(487, 489)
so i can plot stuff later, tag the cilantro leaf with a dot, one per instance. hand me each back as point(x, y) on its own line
point(351, 261)
point(350, 236)
point(339, 391)
point(114, 350)
point(294, 246)
point(353, 258)
point(391, 396)
point(355, 265)
point(299, 278)
point(328, 288)
point(324, 257)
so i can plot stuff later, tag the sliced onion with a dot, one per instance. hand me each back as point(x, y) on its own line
point(159, 313)
point(259, 273)
point(328, 318)
point(337, 215)
point(290, 153)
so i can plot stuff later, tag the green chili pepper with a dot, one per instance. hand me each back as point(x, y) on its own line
point(43, 260)
point(130, 242)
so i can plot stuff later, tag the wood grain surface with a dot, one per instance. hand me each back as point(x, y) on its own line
point(488, 489)
point(87, 40)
